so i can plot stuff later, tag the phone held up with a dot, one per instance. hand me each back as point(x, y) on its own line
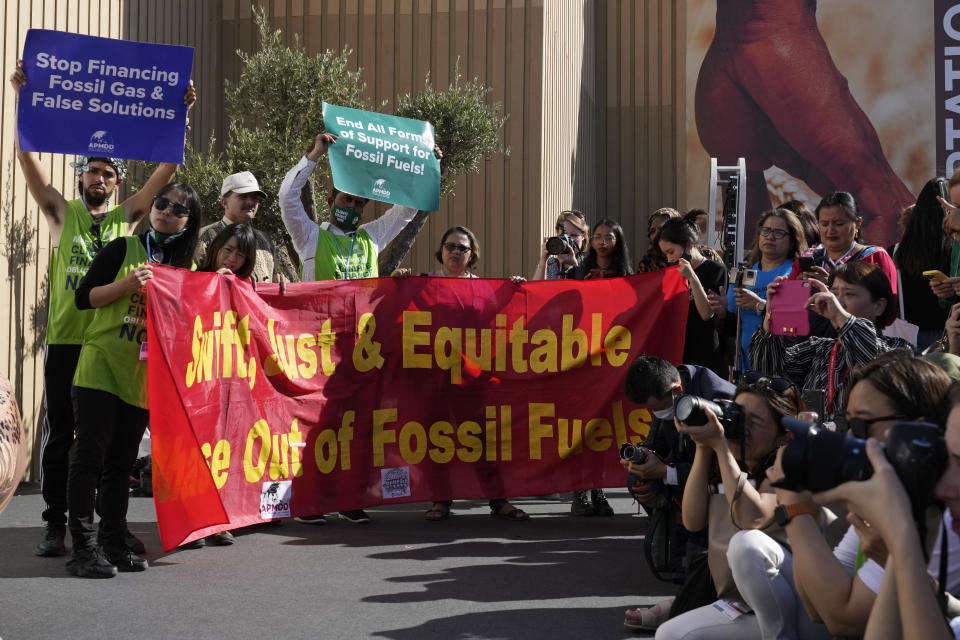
point(788, 308)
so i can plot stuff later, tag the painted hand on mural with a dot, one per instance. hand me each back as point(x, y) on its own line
point(769, 91)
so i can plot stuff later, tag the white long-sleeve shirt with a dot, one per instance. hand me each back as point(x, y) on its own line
point(303, 231)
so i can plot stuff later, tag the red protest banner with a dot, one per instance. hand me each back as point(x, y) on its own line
point(340, 395)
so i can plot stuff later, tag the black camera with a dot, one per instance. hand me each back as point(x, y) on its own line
point(644, 492)
point(690, 411)
point(633, 453)
point(561, 243)
point(818, 459)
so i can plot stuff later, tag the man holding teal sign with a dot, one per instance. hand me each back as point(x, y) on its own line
point(383, 157)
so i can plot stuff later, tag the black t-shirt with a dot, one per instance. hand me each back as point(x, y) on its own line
point(702, 342)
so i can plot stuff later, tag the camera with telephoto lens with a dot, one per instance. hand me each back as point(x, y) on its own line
point(742, 276)
point(818, 459)
point(560, 243)
point(690, 411)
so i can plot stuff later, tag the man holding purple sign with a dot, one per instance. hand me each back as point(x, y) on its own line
point(78, 228)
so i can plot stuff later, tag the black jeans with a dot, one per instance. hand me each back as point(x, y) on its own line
point(108, 437)
point(59, 365)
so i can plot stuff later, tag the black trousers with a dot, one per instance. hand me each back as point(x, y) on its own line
point(59, 365)
point(108, 437)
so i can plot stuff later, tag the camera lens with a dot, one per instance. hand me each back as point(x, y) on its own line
point(690, 410)
point(632, 453)
point(556, 246)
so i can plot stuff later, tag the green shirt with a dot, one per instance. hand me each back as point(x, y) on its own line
point(69, 262)
point(334, 251)
point(110, 358)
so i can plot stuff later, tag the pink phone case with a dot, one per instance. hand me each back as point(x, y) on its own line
point(788, 308)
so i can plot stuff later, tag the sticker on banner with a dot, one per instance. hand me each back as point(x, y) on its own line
point(275, 499)
point(395, 482)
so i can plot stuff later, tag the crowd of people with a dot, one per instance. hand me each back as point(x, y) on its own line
point(758, 439)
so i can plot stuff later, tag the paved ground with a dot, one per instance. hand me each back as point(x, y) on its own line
point(399, 577)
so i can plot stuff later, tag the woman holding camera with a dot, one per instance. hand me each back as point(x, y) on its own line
point(727, 490)
point(836, 587)
point(677, 240)
point(858, 304)
point(553, 265)
point(777, 243)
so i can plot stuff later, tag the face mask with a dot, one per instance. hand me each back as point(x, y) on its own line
point(347, 219)
point(664, 414)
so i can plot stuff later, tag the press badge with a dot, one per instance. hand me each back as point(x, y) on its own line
point(731, 608)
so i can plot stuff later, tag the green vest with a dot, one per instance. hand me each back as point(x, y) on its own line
point(69, 263)
point(334, 250)
point(110, 358)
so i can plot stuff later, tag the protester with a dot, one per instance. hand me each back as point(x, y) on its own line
point(924, 247)
point(110, 386)
point(807, 220)
point(677, 240)
point(839, 220)
point(777, 243)
point(654, 383)
point(78, 229)
point(233, 250)
point(458, 253)
point(339, 249)
point(949, 290)
point(653, 259)
point(858, 304)
point(240, 197)
point(571, 224)
point(746, 501)
point(839, 587)
point(608, 256)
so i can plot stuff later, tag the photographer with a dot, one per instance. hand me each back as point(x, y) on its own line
point(564, 251)
point(906, 606)
point(836, 586)
point(736, 450)
point(654, 383)
point(858, 304)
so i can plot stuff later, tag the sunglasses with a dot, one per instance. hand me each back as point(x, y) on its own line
point(579, 214)
point(162, 204)
point(779, 385)
point(453, 246)
point(859, 426)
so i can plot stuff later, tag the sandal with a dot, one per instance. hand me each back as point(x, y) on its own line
point(515, 513)
point(649, 618)
point(437, 512)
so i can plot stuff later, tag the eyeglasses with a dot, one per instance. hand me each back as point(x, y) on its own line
point(605, 238)
point(162, 204)
point(98, 241)
point(227, 252)
point(858, 426)
point(453, 246)
point(766, 232)
point(779, 385)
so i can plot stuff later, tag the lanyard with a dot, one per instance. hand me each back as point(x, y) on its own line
point(844, 257)
point(346, 266)
point(831, 371)
point(150, 253)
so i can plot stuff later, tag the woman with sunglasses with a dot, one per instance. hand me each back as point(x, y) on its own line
point(838, 586)
point(110, 386)
point(233, 250)
point(727, 490)
point(777, 242)
point(459, 251)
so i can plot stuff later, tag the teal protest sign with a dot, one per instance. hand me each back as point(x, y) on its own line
point(383, 157)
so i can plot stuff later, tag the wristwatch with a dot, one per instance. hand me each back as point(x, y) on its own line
point(784, 513)
point(761, 307)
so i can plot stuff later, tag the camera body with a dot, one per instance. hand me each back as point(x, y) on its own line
point(560, 243)
point(644, 492)
point(690, 411)
point(817, 459)
point(742, 276)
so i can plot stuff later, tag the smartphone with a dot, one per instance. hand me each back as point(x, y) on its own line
point(934, 274)
point(806, 263)
point(687, 257)
point(596, 274)
point(788, 308)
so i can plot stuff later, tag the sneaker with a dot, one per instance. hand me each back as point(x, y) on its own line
point(222, 539)
point(90, 563)
point(52, 544)
point(317, 519)
point(357, 516)
point(124, 559)
point(581, 505)
point(600, 505)
point(133, 542)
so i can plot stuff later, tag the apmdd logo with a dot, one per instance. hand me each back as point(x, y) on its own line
point(101, 143)
point(379, 189)
point(275, 499)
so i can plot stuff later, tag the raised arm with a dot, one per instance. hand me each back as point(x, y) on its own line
point(696, 493)
point(51, 202)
